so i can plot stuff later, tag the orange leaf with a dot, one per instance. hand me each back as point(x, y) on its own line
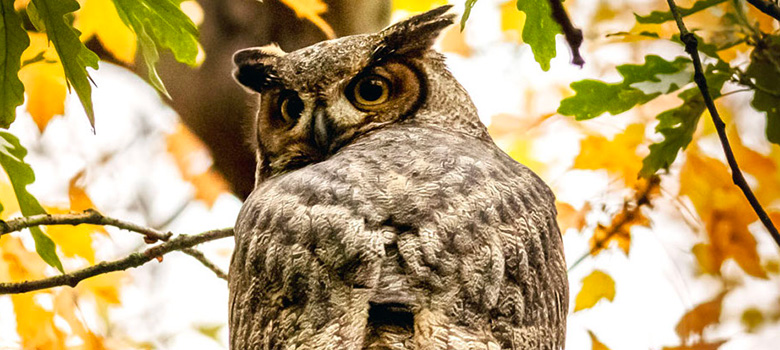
point(618, 156)
point(596, 286)
point(596, 344)
point(619, 230)
point(100, 18)
point(311, 10)
point(454, 41)
point(702, 316)
point(568, 217)
point(697, 346)
point(723, 209)
point(193, 160)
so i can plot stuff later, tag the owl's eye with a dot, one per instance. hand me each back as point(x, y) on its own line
point(290, 107)
point(371, 90)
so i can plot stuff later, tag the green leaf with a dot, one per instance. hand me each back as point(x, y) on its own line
point(594, 98)
point(677, 125)
point(656, 17)
point(466, 13)
point(13, 41)
point(75, 57)
point(35, 19)
point(765, 75)
point(12, 160)
point(539, 30)
point(160, 23)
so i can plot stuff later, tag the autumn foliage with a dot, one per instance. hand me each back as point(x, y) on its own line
point(639, 125)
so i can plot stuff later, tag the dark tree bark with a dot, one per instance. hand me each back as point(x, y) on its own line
point(212, 104)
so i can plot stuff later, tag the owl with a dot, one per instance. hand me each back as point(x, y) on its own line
point(384, 216)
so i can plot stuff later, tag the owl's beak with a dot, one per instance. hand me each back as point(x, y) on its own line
point(322, 128)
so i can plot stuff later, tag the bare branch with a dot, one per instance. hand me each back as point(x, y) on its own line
point(572, 34)
point(133, 260)
point(198, 255)
point(89, 216)
point(691, 47)
point(767, 7)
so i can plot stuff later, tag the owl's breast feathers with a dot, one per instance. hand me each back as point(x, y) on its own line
point(409, 237)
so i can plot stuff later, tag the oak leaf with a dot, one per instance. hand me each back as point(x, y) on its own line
point(617, 156)
point(596, 286)
point(44, 81)
point(194, 162)
point(700, 317)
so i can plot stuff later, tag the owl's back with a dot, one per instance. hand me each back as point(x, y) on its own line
point(409, 237)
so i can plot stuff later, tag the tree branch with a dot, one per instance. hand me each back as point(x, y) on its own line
point(133, 260)
point(691, 47)
point(198, 255)
point(89, 216)
point(767, 7)
point(572, 34)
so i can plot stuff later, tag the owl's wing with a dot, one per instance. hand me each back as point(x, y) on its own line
point(302, 272)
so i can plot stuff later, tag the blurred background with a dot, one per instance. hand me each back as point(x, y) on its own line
point(678, 261)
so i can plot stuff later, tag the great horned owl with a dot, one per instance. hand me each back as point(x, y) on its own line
point(384, 216)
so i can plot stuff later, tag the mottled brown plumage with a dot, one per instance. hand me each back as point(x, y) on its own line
point(384, 216)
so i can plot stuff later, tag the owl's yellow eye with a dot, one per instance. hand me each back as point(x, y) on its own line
point(290, 107)
point(371, 90)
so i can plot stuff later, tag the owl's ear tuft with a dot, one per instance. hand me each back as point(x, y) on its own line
point(416, 33)
point(255, 67)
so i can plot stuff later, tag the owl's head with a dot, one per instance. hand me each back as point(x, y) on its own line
point(318, 99)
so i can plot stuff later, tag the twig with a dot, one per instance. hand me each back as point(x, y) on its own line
point(131, 261)
point(745, 80)
point(572, 34)
point(198, 255)
point(767, 7)
point(691, 47)
point(89, 216)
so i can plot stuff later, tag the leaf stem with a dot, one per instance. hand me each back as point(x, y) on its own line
point(691, 47)
point(572, 34)
point(180, 242)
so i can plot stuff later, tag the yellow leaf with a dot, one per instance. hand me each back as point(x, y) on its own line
point(105, 287)
point(19, 264)
point(702, 316)
point(723, 209)
point(72, 240)
point(35, 325)
point(20, 4)
point(44, 81)
point(512, 21)
point(596, 344)
point(100, 18)
point(618, 156)
point(596, 286)
point(708, 258)
point(7, 198)
point(311, 10)
point(414, 6)
point(193, 160)
point(752, 318)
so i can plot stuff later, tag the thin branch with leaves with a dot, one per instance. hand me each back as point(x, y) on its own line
point(691, 47)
